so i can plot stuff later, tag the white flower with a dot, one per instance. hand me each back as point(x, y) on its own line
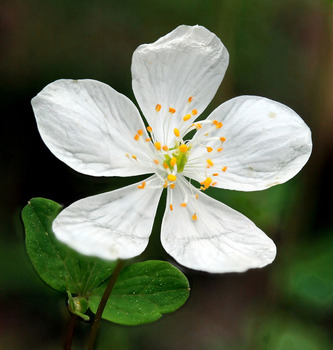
point(248, 143)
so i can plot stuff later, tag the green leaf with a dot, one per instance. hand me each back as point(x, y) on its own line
point(143, 292)
point(59, 266)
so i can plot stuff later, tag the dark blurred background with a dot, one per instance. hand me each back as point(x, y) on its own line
point(282, 50)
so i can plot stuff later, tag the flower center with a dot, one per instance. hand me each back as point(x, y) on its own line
point(168, 161)
point(178, 157)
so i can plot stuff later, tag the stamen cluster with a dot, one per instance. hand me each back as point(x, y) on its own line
point(169, 161)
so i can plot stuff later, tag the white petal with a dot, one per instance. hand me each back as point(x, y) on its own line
point(111, 225)
point(91, 128)
point(267, 144)
point(221, 240)
point(188, 62)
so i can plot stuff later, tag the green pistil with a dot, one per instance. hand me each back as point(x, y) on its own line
point(181, 157)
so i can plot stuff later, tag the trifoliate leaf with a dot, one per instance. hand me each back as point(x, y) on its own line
point(59, 266)
point(143, 292)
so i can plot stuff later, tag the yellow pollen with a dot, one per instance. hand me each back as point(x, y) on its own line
point(148, 139)
point(140, 132)
point(219, 149)
point(172, 110)
point(183, 204)
point(171, 207)
point(194, 217)
point(158, 108)
point(196, 196)
point(190, 99)
point(127, 155)
point(194, 112)
point(165, 165)
point(215, 174)
point(134, 157)
point(165, 148)
point(214, 183)
point(207, 134)
point(209, 163)
point(136, 137)
point(173, 161)
point(183, 148)
point(157, 145)
point(215, 122)
point(165, 183)
point(209, 149)
point(187, 117)
point(202, 188)
point(207, 182)
point(224, 168)
point(222, 139)
point(218, 125)
point(142, 186)
point(172, 186)
point(149, 128)
point(172, 177)
point(176, 132)
point(156, 161)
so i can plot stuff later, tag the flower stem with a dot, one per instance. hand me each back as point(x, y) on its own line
point(101, 306)
point(70, 332)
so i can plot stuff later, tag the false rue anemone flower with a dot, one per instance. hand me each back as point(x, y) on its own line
point(248, 143)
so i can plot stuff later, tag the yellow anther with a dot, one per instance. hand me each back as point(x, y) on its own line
point(190, 99)
point(171, 207)
point(157, 145)
point(207, 182)
point(156, 161)
point(149, 128)
point(140, 132)
point(172, 110)
point(196, 196)
point(165, 165)
point(148, 139)
point(183, 148)
point(187, 117)
point(209, 149)
point(183, 204)
point(214, 183)
point(172, 186)
point(158, 108)
point(209, 163)
point(215, 174)
point(198, 126)
point(218, 125)
point(215, 122)
point(136, 137)
point(172, 177)
point(202, 188)
point(224, 168)
point(222, 139)
point(194, 217)
point(176, 132)
point(143, 185)
point(173, 161)
point(194, 112)
point(165, 183)
point(165, 148)
point(134, 157)
point(219, 149)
